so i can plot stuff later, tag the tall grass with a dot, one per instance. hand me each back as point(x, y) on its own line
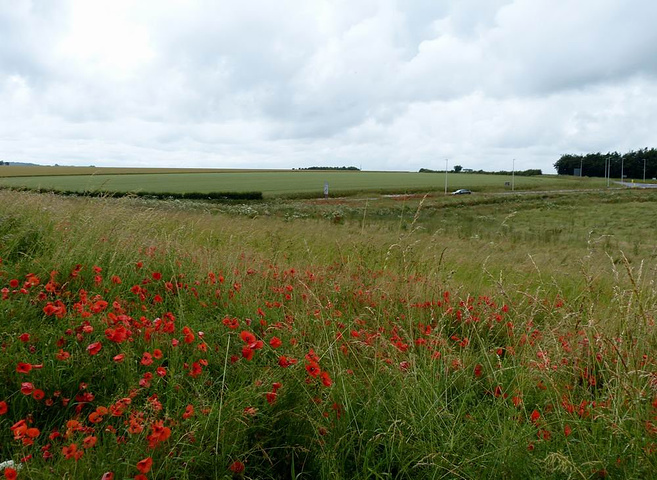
point(473, 350)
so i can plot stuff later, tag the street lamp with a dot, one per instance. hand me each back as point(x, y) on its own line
point(445, 176)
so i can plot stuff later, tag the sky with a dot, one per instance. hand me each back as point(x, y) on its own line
point(376, 84)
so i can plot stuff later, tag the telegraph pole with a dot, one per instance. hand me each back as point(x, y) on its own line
point(513, 176)
point(445, 176)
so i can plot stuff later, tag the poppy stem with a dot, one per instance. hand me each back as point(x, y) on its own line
point(221, 397)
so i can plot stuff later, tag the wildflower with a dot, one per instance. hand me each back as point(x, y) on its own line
point(71, 452)
point(189, 411)
point(159, 433)
point(146, 359)
point(23, 367)
point(94, 348)
point(62, 355)
point(285, 362)
point(27, 388)
point(89, 442)
point(535, 416)
point(10, 473)
point(236, 467)
point(247, 337)
point(3, 407)
point(313, 369)
point(326, 379)
point(144, 466)
point(275, 342)
point(567, 430)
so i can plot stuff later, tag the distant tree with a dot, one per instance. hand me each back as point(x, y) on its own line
point(593, 164)
point(457, 168)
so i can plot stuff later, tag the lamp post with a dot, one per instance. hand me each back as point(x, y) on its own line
point(445, 176)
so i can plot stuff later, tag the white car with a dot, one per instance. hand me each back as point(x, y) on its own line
point(462, 191)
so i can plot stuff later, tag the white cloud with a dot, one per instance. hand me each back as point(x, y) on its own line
point(382, 83)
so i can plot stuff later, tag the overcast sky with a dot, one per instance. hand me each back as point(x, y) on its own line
point(382, 84)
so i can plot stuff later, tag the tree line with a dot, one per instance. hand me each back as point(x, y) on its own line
point(593, 164)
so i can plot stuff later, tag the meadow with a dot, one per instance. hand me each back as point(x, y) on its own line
point(481, 336)
point(272, 183)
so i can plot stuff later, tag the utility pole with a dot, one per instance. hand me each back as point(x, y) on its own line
point(445, 176)
point(644, 170)
point(622, 175)
point(513, 176)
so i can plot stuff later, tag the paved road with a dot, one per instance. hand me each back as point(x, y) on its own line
point(637, 185)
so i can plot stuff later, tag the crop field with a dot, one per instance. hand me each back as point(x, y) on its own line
point(272, 183)
point(406, 337)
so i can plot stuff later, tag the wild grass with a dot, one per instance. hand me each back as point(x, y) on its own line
point(460, 338)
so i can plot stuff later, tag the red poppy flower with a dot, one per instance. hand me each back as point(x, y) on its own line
point(313, 369)
point(144, 466)
point(535, 416)
point(23, 367)
point(236, 467)
point(326, 379)
point(275, 342)
point(3, 407)
point(247, 352)
point(248, 337)
point(146, 359)
point(89, 441)
point(189, 411)
point(10, 473)
point(27, 388)
point(94, 348)
point(70, 451)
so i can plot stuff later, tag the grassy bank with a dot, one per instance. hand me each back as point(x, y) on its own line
point(413, 338)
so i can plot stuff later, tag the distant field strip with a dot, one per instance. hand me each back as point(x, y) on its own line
point(282, 183)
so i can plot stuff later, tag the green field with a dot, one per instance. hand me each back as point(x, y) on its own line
point(276, 183)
